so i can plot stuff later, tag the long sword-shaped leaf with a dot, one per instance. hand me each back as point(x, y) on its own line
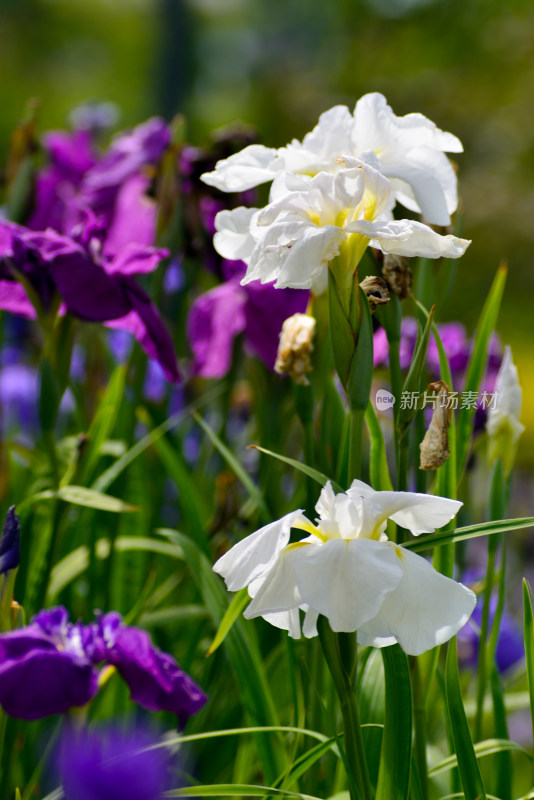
point(237, 790)
point(477, 364)
point(528, 632)
point(81, 496)
point(396, 754)
point(469, 532)
point(486, 748)
point(320, 477)
point(235, 466)
point(242, 650)
point(467, 763)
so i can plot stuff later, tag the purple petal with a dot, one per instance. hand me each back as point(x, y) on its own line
point(134, 259)
point(13, 298)
point(134, 217)
point(113, 766)
point(215, 319)
point(266, 310)
point(154, 678)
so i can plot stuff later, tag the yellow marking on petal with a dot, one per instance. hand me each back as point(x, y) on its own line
point(105, 674)
point(295, 546)
point(399, 553)
point(304, 525)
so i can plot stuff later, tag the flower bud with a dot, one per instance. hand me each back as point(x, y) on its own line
point(503, 426)
point(9, 562)
point(295, 348)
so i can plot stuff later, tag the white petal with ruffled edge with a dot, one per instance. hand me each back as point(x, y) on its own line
point(244, 170)
point(255, 555)
point(426, 608)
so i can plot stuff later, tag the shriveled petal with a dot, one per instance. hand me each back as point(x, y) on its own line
point(244, 170)
point(233, 239)
point(346, 581)
point(256, 554)
point(425, 609)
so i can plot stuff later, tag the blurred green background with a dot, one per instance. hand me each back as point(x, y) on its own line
point(277, 64)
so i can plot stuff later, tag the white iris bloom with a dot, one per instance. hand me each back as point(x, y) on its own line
point(311, 221)
point(503, 425)
point(348, 571)
point(410, 151)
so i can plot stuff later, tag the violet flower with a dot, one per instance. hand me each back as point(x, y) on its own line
point(51, 666)
point(510, 646)
point(256, 310)
point(111, 765)
point(93, 286)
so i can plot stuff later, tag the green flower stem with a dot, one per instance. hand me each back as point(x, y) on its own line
point(304, 397)
point(340, 654)
point(357, 417)
point(497, 510)
point(419, 720)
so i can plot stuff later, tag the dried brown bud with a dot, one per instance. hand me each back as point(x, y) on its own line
point(296, 345)
point(435, 446)
point(376, 290)
point(397, 275)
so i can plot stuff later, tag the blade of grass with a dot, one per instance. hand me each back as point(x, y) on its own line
point(467, 763)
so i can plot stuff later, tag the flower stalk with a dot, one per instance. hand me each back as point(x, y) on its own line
point(340, 653)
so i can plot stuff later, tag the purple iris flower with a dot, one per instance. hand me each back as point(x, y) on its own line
point(510, 646)
point(111, 765)
point(10, 543)
point(51, 665)
point(256, 310)
point(93, 286)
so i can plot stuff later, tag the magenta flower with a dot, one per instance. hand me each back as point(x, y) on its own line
point(51, 665)
point(256, 310)
point(92, 285)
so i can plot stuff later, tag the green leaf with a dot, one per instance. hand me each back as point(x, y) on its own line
point(237, 605)
point(528, 633)
point(81, 496)
point(238, 790)
point(235, 466)
point(103, 422)
point(341, 332)
point(302, 764)
point(242, 650)
point(396, 753)
point(467, 763)
point(477, 365)
point(482, 749)
point(378, 465)
point(412, 382)
point(468, 532)
point(309, 471)
point(361, 369)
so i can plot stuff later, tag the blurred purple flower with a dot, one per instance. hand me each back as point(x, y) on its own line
point(51, 665)
point(256, 310)
point(93, 286)
point(112, 765)
point(10, 542)
point(510, 646)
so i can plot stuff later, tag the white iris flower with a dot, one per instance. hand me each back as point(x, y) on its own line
point(348, 571)
point(410, 151)
point(311, 221)
point(503, 425)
